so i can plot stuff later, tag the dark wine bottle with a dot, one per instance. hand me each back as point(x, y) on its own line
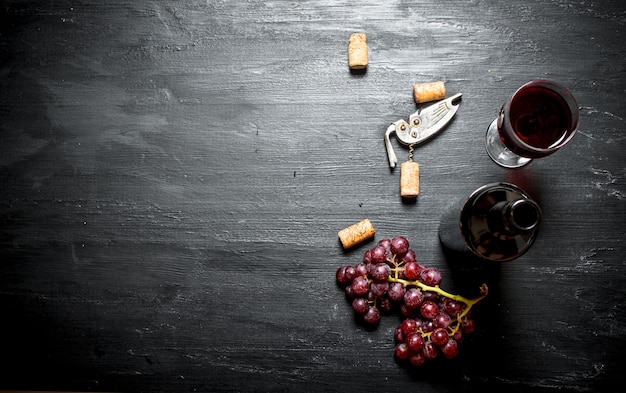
point(497, 222)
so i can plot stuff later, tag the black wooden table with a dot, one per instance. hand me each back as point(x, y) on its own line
point(173, 175)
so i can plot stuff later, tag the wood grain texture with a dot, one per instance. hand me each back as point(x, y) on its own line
point(173, 175)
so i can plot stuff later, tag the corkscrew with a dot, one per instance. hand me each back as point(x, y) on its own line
point(423, 124)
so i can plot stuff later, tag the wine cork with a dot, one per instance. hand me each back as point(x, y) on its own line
point(409, 179)
point(356, 233)
point(357, 51)
point(425, 92)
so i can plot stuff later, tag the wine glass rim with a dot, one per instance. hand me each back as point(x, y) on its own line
point(564, 93)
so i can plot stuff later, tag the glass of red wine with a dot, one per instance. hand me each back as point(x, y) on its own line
point(540, 118)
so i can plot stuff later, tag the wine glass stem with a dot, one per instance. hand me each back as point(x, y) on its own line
point(498, 152)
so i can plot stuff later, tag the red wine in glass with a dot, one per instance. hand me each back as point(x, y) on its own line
point(540, 118)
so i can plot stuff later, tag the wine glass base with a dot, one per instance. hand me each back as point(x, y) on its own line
point(498, 152)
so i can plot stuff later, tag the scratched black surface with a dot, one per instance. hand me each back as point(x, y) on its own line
point(173, 175)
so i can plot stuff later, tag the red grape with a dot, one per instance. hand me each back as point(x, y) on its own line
point(367, 257)
point(430, 276)
point(341, 276)
point(378, 254)
point(398, 335)
point(450, 349)
point(413, 298)
point(429, 350)
point(428, 326)
point(454, 308)
point(379, 272)
point(360, 286)
point(379, 289)
point(396, 291)
point(468, 326)
point(372, 316)
point(429, 310)
point(415, 342)
point(412, 271)
point(406, 311)
point(439, 336)
point(350, 273)
point(349, 292)
point(402, 351)
point(399, 246)
point(442, 320)
point(361, 269)
point(360, 305)
point(408, 326)
point(409, 257)
point(417, 359)
point(385, 243)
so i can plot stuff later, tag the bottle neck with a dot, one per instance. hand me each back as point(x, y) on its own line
point(511, 218)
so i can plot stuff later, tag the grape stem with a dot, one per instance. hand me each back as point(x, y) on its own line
point(468, 302)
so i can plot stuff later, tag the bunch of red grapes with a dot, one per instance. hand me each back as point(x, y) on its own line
point(390, 278)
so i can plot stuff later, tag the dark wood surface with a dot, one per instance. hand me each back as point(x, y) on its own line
point(173, 175)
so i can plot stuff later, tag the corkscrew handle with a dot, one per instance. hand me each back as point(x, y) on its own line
point(393, 160)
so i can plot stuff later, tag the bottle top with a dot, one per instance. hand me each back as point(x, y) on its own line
point(499, 221)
